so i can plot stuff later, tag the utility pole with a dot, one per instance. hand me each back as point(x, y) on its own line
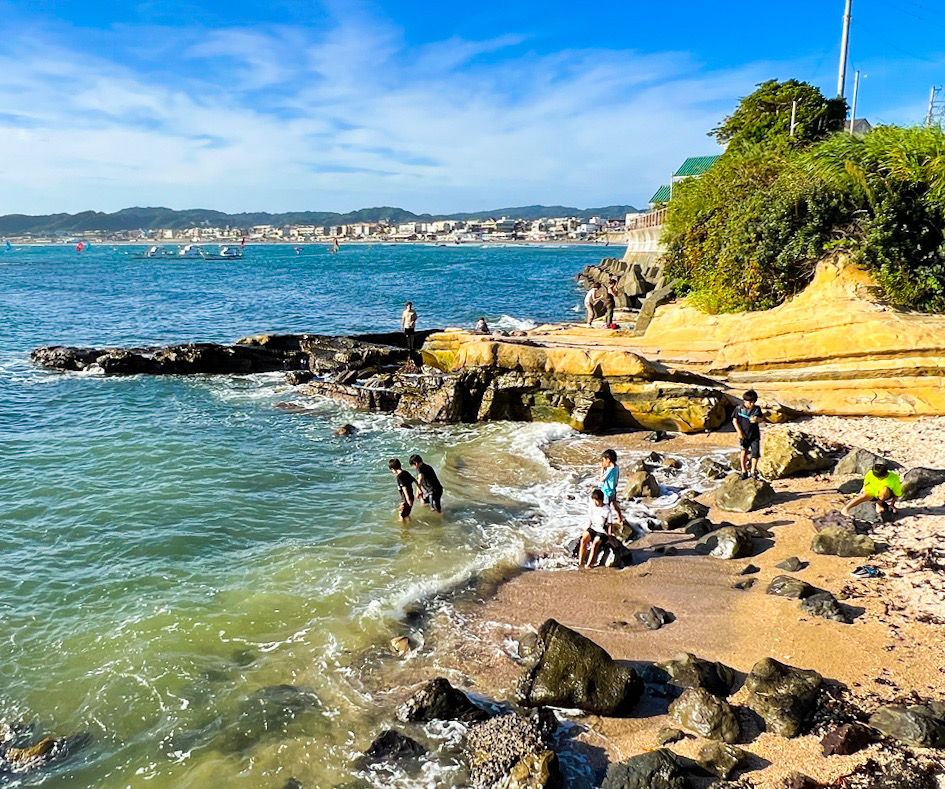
point(856, 89)
point(844, 48)
point(936, 107)
point(793, 116)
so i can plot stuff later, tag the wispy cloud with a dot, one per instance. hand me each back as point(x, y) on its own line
point(345, 115)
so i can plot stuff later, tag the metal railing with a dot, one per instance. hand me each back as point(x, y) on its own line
point(649, 219)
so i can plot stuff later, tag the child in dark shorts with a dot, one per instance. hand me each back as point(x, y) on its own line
point(405, 483)
point(747, 420)
point(429, 488)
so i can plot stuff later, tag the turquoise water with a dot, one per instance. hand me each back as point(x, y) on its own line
point(174, 545)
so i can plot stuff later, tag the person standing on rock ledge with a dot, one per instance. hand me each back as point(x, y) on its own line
point(747, 420)
point(608, 480)
point(408, 322)
point(594, 295)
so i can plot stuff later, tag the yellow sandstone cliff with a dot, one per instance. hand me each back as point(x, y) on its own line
point(833, 349)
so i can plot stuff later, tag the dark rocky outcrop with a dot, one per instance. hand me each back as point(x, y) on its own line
point(390, 746)
point(728, 542)
point(699, 527)
point(791, 565)
point(707, 715)
point(438, 700)
point(721, 759)
point(688, 671)
point(903, 771)
point(782, 695)
point(916, 724)
point(669, 734)
point(835, 541)
point(658, 769)
point(712, 469)
point(743, 495)
point(19, 757)
point(569, 670)
point(513, 752)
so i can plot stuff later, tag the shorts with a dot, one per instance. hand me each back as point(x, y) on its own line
point(403, 509)
point(751, 445)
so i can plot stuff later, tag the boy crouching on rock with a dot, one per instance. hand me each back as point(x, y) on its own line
point(881, 486)
point(600, 520)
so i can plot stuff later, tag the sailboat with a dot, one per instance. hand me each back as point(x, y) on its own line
point(80, 246)
point(9, 245)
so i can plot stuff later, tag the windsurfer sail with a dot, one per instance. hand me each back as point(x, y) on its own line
point(79, 247)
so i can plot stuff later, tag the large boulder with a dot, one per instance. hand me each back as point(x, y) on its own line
point(743, 495)
point(858, 461)
point(569, 670)
point(513, 752)
point(915, 724)
point(835, 541)
point(784, 696)
point(707, 715)
point(728, 542)
point(641, 484)
point(787, 452)
point(916, 482)
point(438, 700)
point(658, 769)
point(683, 511)
point(688, 671)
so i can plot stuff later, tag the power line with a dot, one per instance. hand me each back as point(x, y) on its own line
point(888, 43)
point(914, 16)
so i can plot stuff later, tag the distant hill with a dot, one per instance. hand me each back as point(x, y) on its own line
point(156, 218)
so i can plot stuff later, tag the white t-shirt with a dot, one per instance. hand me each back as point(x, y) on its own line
point(589, 298)
point(409, 319)
point(599, 517)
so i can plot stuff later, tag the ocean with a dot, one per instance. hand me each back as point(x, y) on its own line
point(194, 568)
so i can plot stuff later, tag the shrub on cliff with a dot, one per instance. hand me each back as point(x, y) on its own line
point(747, 234)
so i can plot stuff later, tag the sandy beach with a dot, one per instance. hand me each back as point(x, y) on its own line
point(893, 649)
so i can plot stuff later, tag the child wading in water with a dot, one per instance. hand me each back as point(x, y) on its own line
point(405, 483)
point(600, 520)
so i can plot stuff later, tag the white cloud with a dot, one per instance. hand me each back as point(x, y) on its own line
point(346, 117)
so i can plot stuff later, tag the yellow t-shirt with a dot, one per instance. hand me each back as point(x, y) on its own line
point(873, 485)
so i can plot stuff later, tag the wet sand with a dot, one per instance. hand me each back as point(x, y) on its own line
point(894, 646)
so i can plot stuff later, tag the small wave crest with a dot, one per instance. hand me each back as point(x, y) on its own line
point(508, 323)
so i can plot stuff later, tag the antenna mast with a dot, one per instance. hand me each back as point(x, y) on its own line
point(844, 49)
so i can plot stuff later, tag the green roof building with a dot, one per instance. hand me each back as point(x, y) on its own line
point(661, 196)
point(696, 165)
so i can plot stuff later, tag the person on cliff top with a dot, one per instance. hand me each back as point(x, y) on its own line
point(429, 488)
point(610, 303)
point(408, 322)
point(747, 420)
point(594, 295)
point(600, 521)
point(405, 483)
point(881, 486)
point(608, 479)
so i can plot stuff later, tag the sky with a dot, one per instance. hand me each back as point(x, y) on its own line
point(436, 107)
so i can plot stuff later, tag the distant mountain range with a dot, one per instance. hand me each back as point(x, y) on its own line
point(157, 218)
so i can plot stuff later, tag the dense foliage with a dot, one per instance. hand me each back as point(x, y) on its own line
point(764, 117)
point(747, 234)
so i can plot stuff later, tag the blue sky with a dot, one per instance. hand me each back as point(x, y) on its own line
point(282, 105)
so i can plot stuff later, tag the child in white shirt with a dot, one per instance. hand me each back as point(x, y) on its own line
point(600, 520)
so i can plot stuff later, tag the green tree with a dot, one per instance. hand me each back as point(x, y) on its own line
point(764, 117)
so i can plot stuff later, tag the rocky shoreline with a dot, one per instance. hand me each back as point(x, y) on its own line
point(739, 687)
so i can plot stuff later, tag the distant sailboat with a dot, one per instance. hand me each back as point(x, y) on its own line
point(9, 245)
point(79, 247)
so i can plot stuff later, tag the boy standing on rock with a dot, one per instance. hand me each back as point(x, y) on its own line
point(408, 322)
point(747, 420)
point(880, 485)
point(405, 483)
